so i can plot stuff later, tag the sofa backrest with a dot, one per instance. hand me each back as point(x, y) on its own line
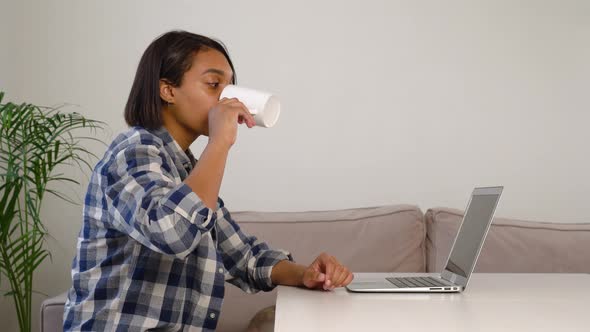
point(379, 239)
point(512, 245)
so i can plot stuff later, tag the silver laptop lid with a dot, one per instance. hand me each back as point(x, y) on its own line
point(472, 233)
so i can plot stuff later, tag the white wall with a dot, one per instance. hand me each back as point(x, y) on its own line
point(384, 102)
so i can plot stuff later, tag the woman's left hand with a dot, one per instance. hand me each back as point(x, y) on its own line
point(326, 273)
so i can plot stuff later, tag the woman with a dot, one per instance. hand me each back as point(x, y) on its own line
point(157, 244)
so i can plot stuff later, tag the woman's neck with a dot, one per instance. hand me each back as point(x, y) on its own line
point(183, 136)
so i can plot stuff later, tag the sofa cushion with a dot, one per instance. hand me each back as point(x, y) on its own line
point(512, 245)
point(376, 239)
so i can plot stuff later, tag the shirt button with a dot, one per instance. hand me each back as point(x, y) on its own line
point(220, 270)
point(212, 315)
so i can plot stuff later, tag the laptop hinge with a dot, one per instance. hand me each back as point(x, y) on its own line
point(453, 278)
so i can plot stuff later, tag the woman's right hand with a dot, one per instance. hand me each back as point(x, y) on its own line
point(224, 119)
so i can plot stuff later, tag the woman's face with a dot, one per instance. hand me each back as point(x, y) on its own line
point(198, 92)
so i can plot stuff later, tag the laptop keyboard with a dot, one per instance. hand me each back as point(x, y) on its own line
point(410, 282)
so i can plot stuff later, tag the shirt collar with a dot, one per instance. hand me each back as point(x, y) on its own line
point(186, 158)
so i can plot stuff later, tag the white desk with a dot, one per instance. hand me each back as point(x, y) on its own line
point(492, 302)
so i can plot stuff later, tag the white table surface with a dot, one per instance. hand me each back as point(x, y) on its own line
point(492, 302)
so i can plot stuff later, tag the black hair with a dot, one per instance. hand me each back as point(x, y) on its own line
point(167, 58)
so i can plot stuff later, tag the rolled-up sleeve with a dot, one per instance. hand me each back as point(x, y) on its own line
point(150, 206)
point(248, 261)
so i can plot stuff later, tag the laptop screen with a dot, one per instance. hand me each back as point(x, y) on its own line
point(472, 233)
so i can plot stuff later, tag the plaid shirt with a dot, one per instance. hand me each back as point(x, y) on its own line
point(150, 254)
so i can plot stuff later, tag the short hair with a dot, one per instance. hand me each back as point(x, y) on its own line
point(168, 57)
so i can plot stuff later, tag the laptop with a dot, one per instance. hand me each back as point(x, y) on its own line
point(460, 263)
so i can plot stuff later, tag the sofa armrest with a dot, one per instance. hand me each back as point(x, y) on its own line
point(52, 311)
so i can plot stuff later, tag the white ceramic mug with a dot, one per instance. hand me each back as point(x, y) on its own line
point(264, 106)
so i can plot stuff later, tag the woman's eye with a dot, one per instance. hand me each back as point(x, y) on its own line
point(213, 84)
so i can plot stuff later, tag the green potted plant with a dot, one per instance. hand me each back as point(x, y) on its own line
point(35, 145)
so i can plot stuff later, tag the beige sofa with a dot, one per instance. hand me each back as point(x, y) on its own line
point(390, 238)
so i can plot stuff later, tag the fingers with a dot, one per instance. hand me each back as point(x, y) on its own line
point(329, 264)
point(337, 275)
point(313, 279)
point(326, 273)
point(243, 113)
point(245, 116)
point(225, 100)
point(348, 279)
point(341, 276)
point(319, 277)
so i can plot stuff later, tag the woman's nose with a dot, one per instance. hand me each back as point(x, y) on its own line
point(221, 88)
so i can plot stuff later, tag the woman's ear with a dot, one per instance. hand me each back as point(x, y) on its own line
point(166, 92)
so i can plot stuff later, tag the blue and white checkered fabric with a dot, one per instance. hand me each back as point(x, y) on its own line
point(150, 254)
